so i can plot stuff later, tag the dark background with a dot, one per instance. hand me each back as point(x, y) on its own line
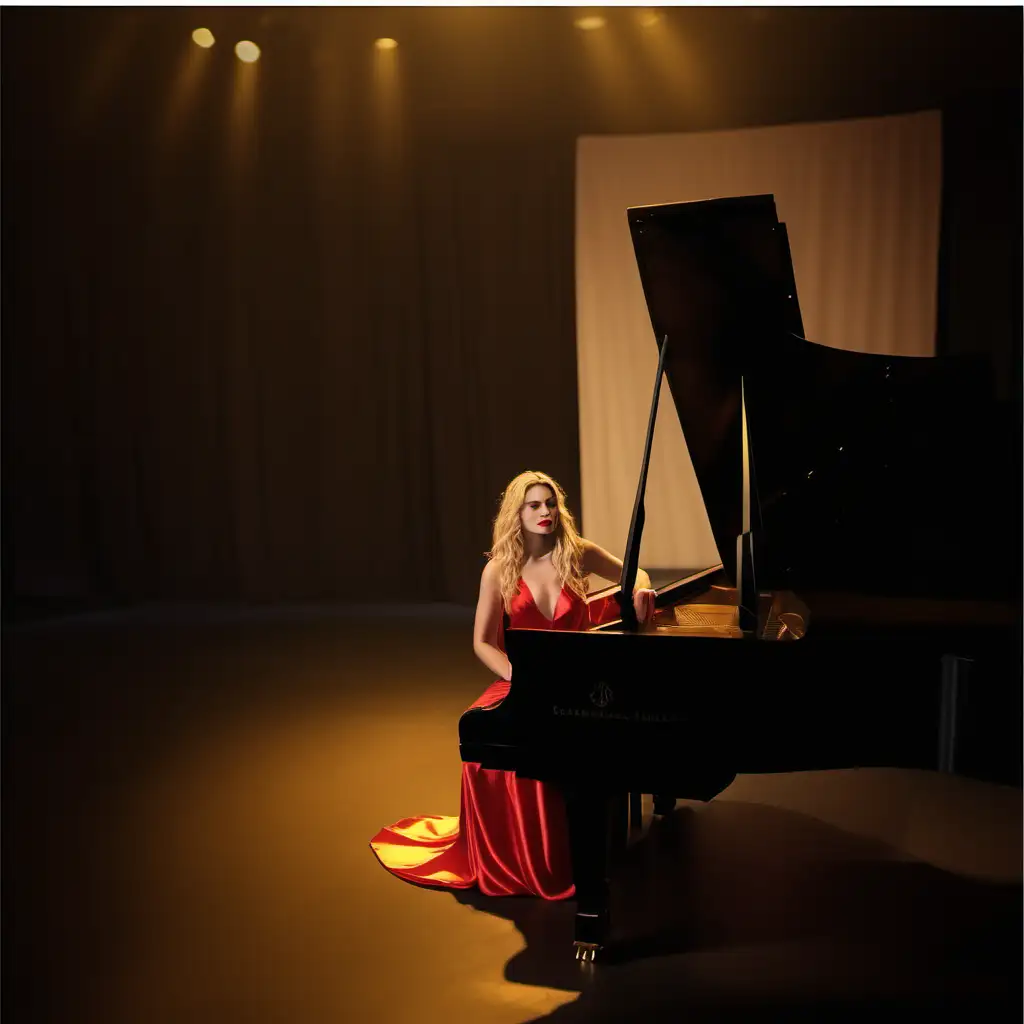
point(297, 360)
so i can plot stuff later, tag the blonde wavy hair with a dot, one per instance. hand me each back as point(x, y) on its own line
point(507, 538)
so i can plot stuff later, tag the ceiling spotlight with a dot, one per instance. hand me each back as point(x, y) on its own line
point(590, 23)
point(247, 52)
point(386, 44)
point(203, 37)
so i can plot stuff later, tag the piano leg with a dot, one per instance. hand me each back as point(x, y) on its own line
point(590, 817)
point(618, 838)
point(636, 811)
point(664, 805)
point(955, 679)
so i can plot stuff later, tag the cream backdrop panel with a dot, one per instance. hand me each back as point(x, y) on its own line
point(861, 201)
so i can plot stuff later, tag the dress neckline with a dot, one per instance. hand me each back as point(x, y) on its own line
point(558, 600)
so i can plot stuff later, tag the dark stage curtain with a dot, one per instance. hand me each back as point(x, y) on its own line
point(279, 347)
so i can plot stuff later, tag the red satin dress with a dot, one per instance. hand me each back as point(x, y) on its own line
point(510, 838)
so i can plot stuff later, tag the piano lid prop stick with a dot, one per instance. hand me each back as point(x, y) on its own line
point(631, 562)
point(746, 581)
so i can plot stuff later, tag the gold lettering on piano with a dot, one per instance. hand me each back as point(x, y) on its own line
point(618, 716)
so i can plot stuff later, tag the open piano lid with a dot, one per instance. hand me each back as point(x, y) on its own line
point(862, 475)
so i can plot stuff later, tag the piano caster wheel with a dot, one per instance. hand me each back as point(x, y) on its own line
point(586, 952)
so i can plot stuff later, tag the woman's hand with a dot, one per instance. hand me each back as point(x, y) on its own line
point(643, 604)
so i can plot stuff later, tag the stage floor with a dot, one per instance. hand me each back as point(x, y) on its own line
point(189, 794)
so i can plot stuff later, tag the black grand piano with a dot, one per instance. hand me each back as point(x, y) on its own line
point(861, 579)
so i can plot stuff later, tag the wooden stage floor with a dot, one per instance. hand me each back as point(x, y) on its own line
point(188, 797)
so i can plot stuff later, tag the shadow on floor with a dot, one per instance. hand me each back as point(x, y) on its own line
point(736, 911)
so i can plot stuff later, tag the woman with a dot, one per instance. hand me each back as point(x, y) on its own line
point(510, 838)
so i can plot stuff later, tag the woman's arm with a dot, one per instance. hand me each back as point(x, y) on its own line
point(487, 624)
point(607, 566)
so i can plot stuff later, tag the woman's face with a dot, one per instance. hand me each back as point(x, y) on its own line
point(539, 513)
